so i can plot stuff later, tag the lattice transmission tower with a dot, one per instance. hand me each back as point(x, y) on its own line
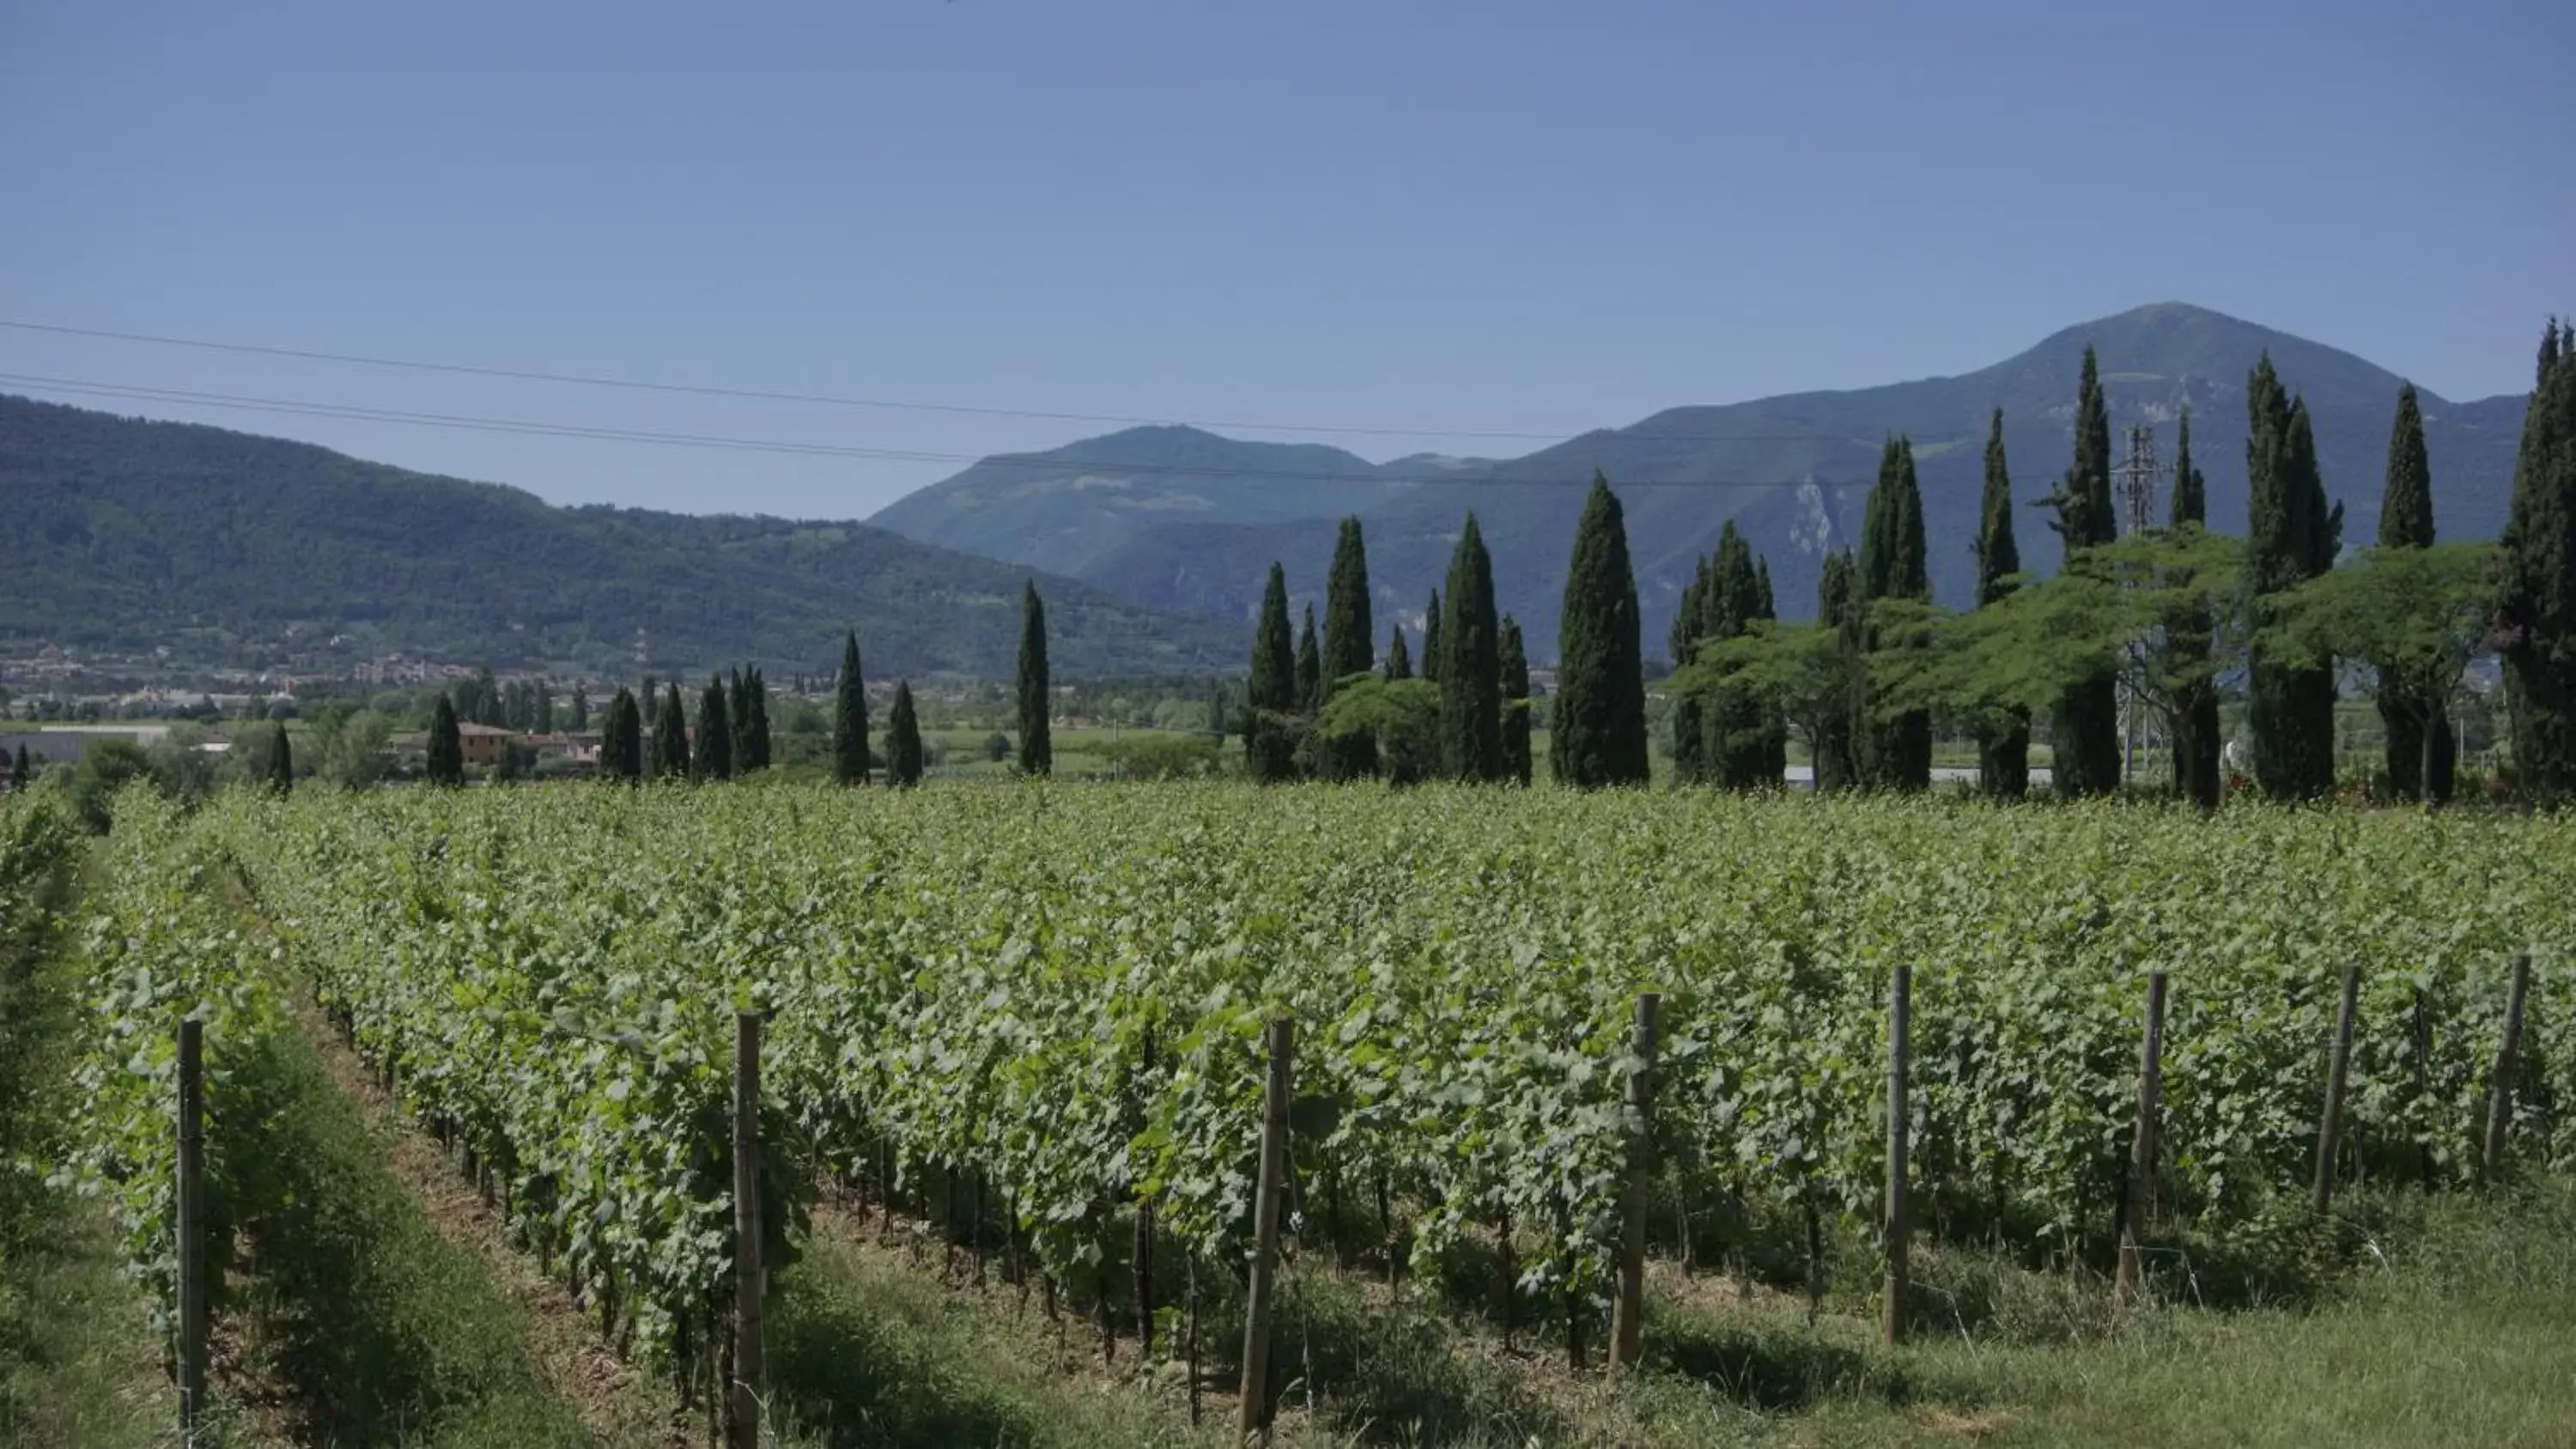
point(2135, 481)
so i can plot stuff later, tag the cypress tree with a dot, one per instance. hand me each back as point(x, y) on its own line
point(2196, 745)
point(281, 761)
point(22, 771)
point(1037, 746)
point(2291, 537)
point(670, 759)
point(1893, 754)
point(903, 740)
point(1308, 739)
point(1349, 639)
point(1270, 749)
point(1515, 705)
point(1310, 666)
point(1837, 608)
point(2086, 755)
point(1775, 729)
point(1399, 660)
point(1600, 734)
point(737, 698)
point(715, 734)
point(580, 723)
point(2003, 747)
point(1431, 667)
point(1471, 689)
point(2536, 605)
point(1690, 726)
point(545, 707)
point(2406, 521)
point(1738, 744)
point(621, 744)
point(756, 738)
point(446, 745)
point(850, 717)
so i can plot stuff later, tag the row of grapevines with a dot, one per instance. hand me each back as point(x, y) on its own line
point(166, 936)
point(1060, 991)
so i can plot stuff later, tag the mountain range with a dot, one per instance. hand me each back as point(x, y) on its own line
point(1150, 545)
point(1182, 520)
point(228, 549)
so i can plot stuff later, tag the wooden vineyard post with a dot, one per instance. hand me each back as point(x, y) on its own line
point(2500, 1097)
point(1627, 1322)
point(1142, 1254)
point(1900, 1012)
point(1252, 1423)
point(2142, 1145)
point(744, 1396)
point(192, 1226)
point(2338, 1067)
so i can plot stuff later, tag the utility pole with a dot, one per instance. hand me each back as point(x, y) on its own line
point(2134, 483)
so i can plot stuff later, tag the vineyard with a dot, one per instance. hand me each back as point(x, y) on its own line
point(1051, 1003)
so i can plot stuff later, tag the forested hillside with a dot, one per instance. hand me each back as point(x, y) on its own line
point(233, 548)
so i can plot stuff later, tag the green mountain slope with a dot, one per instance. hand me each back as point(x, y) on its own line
point(226, 547)
point(1792, 471)
point(1067, 507)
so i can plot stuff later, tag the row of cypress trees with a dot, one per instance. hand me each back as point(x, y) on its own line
point(852, 762)
point(1475, 662)
point(732, 737)
point(2294, 534)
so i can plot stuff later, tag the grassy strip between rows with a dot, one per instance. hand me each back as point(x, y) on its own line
point(344, 1318)
point(2454, 1324)
point(76, 1367)
point(380, 1330)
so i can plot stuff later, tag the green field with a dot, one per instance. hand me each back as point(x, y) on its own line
point(1007, 1026)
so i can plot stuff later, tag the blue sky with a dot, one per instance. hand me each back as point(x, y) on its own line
point(1516, 217)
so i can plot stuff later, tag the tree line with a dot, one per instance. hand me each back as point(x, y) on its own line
point(2169, 615)
point(1328, 708)
point(2163, 620)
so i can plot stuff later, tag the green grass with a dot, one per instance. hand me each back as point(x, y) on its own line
point(76, 1367)
point(2455, 1326)
point(383, 1331)
point(865, 1351)
point(369, 1325)
point(2451, 1322)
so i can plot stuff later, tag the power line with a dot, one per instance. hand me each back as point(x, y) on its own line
point(138, 392)
point(960, 409)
